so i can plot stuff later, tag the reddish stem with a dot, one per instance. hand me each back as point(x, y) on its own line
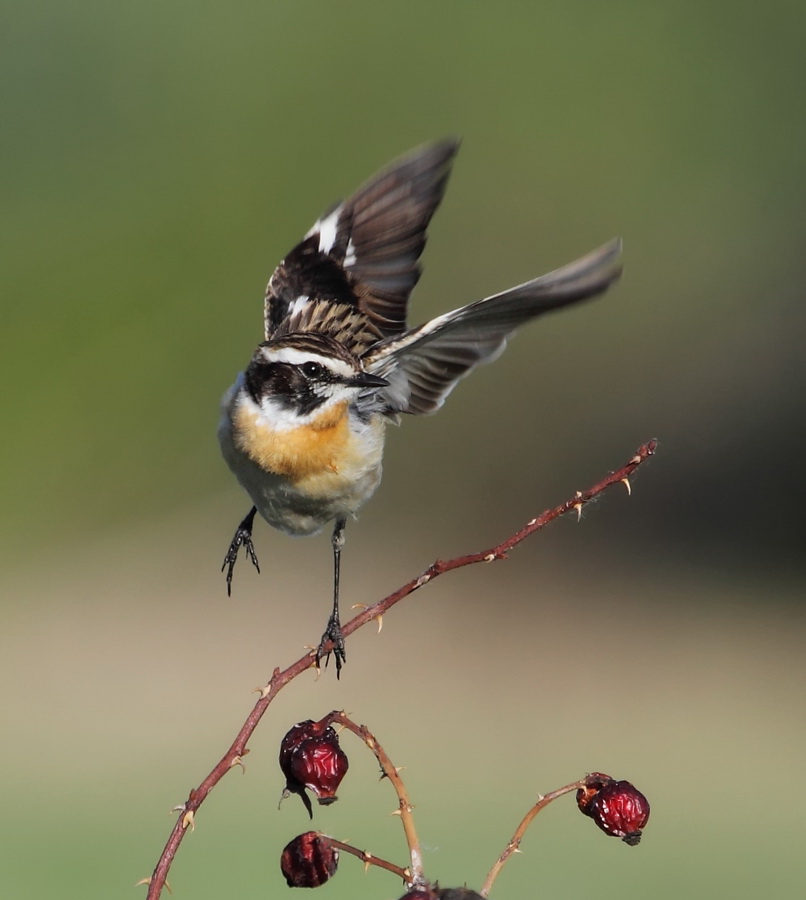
point(520, 831)
point(369, 860)
point(280, 679)
point(404, 805)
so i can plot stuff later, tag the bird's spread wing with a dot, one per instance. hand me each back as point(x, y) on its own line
point(365, 252)
point(424, 364)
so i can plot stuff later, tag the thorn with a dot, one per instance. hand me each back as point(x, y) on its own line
point(396, 812)
point(635, 460)
point(238, 761)
point(314, 664)
point(517, 850)
point(148, 882)
point(578, 506)
point(189, 819)
point(367, 861)
point(180, 808)
point(540, 796)
point(626, 482)
point(378, 618)
point(490, 557)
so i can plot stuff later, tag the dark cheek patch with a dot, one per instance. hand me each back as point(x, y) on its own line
point(284, 383)
point(307, 401)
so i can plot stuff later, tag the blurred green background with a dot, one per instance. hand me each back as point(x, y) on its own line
point(158, 159)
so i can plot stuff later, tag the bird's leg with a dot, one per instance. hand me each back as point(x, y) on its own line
point(333, 631)
point(243, 538)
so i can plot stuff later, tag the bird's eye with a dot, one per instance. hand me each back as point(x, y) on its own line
point(312, 370)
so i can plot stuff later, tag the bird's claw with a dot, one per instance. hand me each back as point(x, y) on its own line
point(333, 640)
point(242, 538)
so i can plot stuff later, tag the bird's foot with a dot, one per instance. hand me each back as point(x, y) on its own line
point(242, 538)
point(332, 642)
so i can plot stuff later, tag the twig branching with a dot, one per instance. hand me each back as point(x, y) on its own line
point(405, 807)
point(279, 679)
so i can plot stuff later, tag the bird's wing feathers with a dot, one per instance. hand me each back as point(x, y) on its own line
point(424, 364)
point(365, 252)
point(351, 277)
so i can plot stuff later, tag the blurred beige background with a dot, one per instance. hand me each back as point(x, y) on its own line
point(158, 159)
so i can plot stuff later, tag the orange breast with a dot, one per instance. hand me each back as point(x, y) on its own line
point(298, 453)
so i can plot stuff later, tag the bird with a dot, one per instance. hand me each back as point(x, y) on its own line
point(302, 428)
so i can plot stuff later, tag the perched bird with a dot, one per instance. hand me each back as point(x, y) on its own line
point(303, 426)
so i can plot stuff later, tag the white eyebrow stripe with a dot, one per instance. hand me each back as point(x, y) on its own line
point(295, 357)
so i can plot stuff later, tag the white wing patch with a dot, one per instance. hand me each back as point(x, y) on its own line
point(328, 230)
point(298, 305)
point(349, 256)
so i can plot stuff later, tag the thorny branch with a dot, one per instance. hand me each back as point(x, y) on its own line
point(515, 841)
point(369, 860)
point(404, 810)
point(279, 679)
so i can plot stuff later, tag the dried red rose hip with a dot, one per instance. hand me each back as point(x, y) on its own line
point(310, 757)
point(309, 860)
point(617, 807)
point(593, 784)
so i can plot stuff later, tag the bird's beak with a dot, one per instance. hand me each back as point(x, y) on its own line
point(367, 380)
